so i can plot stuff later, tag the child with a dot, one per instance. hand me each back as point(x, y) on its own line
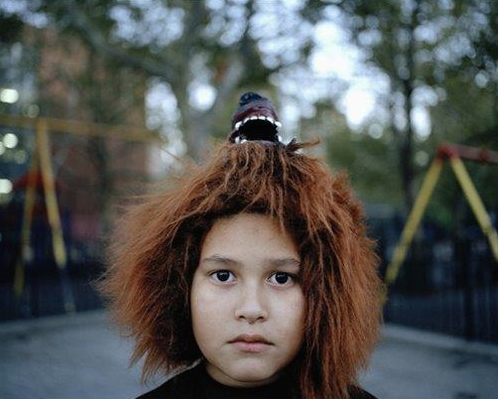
point(253, 278)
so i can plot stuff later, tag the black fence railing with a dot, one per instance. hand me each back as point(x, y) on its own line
point(43, 291)
point(44, 287)
point(448, 283)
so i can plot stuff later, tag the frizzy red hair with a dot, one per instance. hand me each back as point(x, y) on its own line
point(156, 247)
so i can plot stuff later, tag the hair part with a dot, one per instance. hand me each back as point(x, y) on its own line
point(156, 247)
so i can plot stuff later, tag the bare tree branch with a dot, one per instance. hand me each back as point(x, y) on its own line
point(157, 66)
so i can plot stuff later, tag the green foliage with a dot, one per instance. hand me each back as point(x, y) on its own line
point(370, 162)
point(450, 48)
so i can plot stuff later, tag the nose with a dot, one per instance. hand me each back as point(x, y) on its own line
point(251, 305)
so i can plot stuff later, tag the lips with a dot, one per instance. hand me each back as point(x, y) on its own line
point(251, 343)
point(251, 339)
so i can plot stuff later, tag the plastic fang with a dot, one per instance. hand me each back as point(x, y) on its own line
point(241, 139)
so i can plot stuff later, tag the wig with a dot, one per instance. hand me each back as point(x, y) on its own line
point(156, 247)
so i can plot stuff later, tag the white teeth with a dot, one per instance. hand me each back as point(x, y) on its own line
point(239, 124)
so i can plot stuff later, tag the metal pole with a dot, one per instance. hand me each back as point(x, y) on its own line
point(475, 203)
point(59, 248)
point(414, 218)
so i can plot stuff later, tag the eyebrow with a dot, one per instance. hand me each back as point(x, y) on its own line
point(273, 262)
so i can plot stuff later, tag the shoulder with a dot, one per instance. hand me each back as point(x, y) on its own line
point(356, 392)
point(179, 386)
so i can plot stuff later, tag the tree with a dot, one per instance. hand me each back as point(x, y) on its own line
point(182, 43)
point(435, 54)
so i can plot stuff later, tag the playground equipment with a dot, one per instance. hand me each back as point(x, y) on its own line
point(41, 164)
point(454, 154)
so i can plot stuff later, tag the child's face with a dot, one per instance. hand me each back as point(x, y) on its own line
point(238, 290)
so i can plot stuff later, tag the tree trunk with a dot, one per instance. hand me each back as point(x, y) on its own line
point(407, 84)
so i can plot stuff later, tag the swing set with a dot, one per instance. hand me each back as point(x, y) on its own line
point(454, 154)
point(41, 164)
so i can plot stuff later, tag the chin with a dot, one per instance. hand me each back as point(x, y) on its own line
point(252, 370)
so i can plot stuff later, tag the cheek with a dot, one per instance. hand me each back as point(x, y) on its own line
point(290, 313)
point(208, 311)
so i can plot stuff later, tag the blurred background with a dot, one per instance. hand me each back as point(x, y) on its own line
point(100, 98)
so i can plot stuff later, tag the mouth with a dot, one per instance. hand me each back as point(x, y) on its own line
point(247, 338)
point(250, 347)
point(251, 343)
point(258, 120)
point(257, 127)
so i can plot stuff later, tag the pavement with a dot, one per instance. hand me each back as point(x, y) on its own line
point(81, 356)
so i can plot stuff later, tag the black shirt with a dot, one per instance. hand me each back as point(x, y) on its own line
point(196, 383)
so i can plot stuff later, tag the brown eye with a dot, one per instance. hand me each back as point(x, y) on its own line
point(281, 278)
point(221, 275)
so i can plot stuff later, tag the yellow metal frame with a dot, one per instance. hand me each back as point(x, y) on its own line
point(29, 202)
point(420, 205)
point(475, 203)
point(83, 128)
point(51, 202)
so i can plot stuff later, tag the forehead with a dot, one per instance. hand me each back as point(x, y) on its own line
point(248, 236)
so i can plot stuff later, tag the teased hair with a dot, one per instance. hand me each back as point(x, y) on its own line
point(156, 247)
